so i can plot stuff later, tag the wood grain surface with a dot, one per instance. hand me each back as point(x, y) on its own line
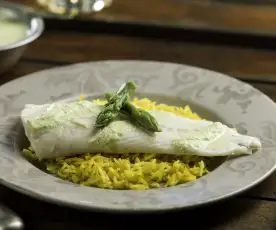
point(247, 63)
point(253, 210)
point(232, 214)
point(246, 17)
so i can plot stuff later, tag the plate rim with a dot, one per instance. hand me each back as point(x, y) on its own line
point(52, 199)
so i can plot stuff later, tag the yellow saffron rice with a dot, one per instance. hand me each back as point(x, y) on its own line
point(129, 171)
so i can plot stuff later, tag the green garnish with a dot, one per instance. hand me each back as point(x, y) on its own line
point(120, 103)
point(114, 105)
point(139, 117)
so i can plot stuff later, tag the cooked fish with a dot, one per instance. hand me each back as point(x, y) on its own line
point(66, 129)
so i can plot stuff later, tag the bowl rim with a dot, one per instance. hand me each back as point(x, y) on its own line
point(37, 27)
point(209, 89)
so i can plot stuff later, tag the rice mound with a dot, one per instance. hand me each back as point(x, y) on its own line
point(129, 171)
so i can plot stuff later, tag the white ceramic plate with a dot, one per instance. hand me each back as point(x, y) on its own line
point(213, 95)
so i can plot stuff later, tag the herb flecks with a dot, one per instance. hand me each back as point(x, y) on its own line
point(120, 103)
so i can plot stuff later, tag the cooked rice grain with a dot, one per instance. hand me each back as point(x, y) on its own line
point(129, 171)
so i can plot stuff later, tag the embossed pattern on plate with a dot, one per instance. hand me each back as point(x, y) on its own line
point(236, 103)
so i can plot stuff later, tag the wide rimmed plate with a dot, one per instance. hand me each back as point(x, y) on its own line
point(212, 94)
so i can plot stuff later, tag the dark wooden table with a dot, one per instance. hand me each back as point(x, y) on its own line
point(250, 59)
point(254, 17)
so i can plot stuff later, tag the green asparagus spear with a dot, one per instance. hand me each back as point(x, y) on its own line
point(114, 105)
point(142, 118)
point(138, 116)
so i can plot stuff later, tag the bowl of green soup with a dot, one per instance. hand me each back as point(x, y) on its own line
point(18, 28)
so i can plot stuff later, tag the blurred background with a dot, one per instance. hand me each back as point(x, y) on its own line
point(238, 16)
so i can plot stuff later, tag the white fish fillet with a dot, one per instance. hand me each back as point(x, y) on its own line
point(60, 129)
